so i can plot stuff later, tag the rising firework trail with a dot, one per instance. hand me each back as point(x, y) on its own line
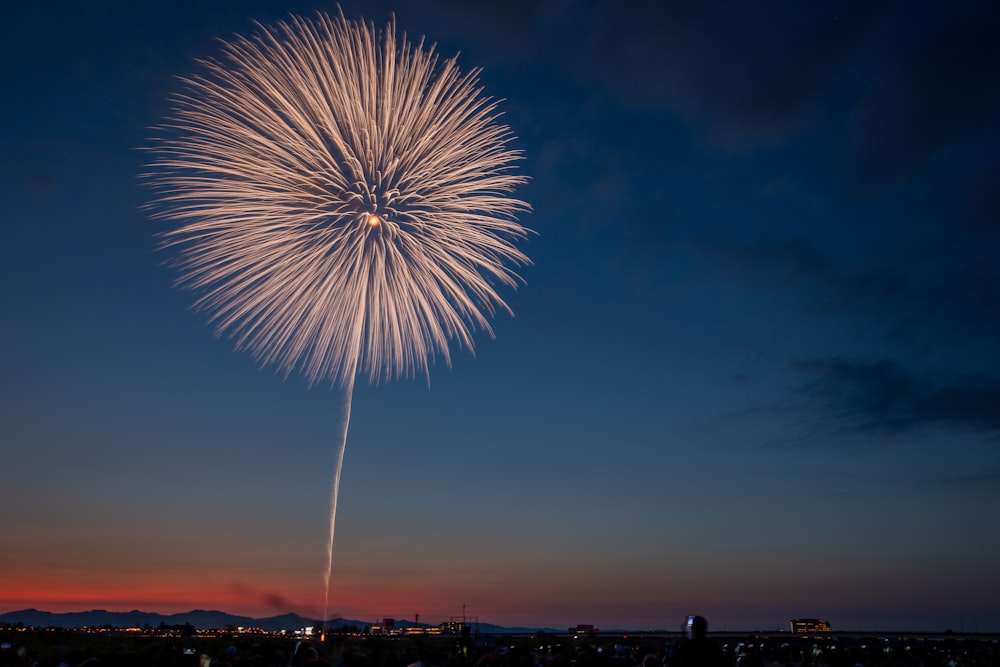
point(339, 201)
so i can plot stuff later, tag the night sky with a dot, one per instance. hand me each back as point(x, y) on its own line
point(753, 372)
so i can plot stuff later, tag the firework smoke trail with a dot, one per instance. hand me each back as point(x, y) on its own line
point(340, 202)
point(334, 496)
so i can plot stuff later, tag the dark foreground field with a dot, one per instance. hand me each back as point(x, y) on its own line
point(71, 648)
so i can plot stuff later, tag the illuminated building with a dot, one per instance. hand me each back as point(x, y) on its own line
point(583, 629)
point(805, 626)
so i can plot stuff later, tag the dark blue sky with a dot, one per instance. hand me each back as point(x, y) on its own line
point(753, 373)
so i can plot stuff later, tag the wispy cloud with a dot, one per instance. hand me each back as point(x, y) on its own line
point(883, 397)
point(746, 72)
point(938, 88)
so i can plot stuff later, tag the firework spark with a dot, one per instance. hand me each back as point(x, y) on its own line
point(341, 202)
point(342, 199)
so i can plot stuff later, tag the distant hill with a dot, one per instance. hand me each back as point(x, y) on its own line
point(199, 618)
point(206, 620)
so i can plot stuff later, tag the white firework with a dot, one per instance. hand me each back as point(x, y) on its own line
point(341, 199)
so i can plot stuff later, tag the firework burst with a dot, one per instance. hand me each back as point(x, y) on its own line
point(341, 203)
point(340, 199)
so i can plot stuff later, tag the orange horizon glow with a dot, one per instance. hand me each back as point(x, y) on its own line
point(176, 593)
